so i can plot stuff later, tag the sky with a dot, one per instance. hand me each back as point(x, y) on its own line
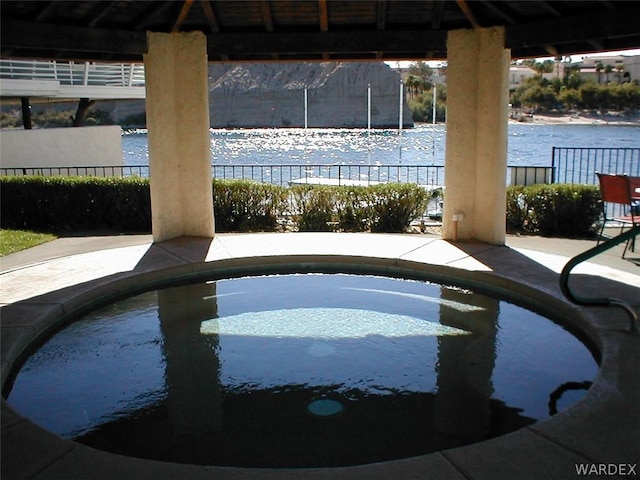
point(574, 58)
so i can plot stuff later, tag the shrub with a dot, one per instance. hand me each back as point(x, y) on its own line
point(389, 207)
point(123, 204)
point(395, 206)
point(353, 209)
point(564, 210)
point(313, 207)
point(65, 203)
point(243, 205)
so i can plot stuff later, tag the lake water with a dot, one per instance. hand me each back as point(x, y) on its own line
point(529, 144)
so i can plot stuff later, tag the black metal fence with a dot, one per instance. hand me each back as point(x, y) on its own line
point(429, 175)
point(580, 164)
point(426, 175)
point(568, 165)
point(88, 171)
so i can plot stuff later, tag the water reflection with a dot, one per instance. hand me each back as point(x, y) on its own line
point(194, 399)
point(462, 407)
point(405, 367)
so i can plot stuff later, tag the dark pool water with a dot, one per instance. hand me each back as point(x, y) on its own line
point(300, 371)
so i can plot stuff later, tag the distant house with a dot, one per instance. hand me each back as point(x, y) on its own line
point(518, 74)
point(610, 69)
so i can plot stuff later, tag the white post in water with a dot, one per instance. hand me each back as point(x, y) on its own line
point(306, 109)
point(401, 107)
point(433, 127)
point(369, 107)
point(434, 104)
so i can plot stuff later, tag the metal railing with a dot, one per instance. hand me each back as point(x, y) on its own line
point(579, 164)
point(426, 175)
point(88, 171)
point(72, 73)
point(627, 236)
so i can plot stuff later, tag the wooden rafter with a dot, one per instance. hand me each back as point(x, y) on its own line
point(90, 29)
point(500, 11)
point(550, 8)
point(105, 9)
point(152, 11)
point(182, 16)
point(381, 22)
point(323, 14)
point(438, 12)
point(267, 18)
point(382, 14)
point(211, 16)
point(468, 13)
point(44, 11)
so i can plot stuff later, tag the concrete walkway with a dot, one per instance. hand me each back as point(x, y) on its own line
point(41, 287)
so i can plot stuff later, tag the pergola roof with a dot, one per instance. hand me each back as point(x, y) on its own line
point(266, 30)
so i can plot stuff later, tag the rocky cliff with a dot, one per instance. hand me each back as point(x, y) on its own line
point(272, 95)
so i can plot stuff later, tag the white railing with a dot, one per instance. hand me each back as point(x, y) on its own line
point(77, 74)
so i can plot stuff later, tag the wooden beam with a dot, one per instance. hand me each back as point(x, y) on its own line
point(44, 11)
point(550, 8)
point(382, 14)
point(182, 16)
point(149, 13)
point(468, 13)
point(323, 15)
point(211, 16)
point(49, 37)
point(500, 11)
point(589, 27)
point(318, 43)
point(105, 8)
point(438, 13)
point(267, 18)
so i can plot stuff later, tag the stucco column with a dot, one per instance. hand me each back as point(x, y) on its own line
point(476, 155)
point(177, 99)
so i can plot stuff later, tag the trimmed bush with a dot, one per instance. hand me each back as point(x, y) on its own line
point(313, 207)
point(563, 210)
point(123, 204)
point(243, 205)
point(354, 209)
point(389, 207)
point(396, 205)
point(68, 203)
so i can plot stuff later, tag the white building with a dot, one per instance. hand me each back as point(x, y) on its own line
point(623, 68)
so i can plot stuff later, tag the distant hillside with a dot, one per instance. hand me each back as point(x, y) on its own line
point(272, 95)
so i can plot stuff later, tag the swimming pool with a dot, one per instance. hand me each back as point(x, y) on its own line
point(299, 370)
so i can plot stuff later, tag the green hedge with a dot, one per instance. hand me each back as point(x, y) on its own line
point(561, 210)
point(75, 203)
point(389, 207)
point(243, 205)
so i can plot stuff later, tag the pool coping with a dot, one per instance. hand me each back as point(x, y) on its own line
point(600, 429)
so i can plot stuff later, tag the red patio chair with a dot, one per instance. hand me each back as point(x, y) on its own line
point(618, 190)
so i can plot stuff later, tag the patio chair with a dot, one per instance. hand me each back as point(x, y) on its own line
point(618, 191)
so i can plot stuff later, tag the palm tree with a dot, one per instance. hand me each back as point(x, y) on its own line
point(412, 82)
point(599, 68)
point(620, 69)
point(608, 69)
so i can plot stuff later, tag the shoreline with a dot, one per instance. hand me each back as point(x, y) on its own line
point(576, 119)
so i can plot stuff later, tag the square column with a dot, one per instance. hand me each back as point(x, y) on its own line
point(476, 143)
point(177, 100)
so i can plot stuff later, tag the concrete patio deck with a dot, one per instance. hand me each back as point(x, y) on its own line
point(42, 287)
